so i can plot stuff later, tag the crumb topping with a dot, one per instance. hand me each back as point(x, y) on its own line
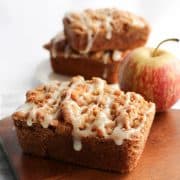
point(42, 104)
point(93, 107)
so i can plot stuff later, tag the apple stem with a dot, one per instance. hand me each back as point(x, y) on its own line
point(156, 49)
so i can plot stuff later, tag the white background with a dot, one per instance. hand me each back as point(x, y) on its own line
point(25, 25)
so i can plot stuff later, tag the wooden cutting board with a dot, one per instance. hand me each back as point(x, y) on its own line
point(160, 160)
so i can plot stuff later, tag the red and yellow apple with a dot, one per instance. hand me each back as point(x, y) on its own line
point(156, 76)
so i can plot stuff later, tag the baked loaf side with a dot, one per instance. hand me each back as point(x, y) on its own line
point(65, 60)
point(105, 29)
point(85, 122)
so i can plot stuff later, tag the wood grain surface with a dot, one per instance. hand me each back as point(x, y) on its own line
point(160, 160)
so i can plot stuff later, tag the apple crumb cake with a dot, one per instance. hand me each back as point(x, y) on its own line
point(86, 122)
point(65, 60)
point(105, 29)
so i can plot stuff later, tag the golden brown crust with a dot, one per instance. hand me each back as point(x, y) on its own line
point(128, 30)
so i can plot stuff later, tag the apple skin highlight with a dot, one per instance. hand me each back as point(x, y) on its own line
point(156, 78)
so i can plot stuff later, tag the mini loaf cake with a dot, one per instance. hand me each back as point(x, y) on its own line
point(65, 60)
point(86, 122)
point(105, 29)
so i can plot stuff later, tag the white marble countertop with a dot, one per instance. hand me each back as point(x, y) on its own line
point(26, 25)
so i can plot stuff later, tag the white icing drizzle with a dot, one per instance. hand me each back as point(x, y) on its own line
point(32, 115)
point(87, 25)
point(105, 73)
point(29, 122)
point(106, 57)
point(53, 52)
point(108, 21)
point(114, 86)
point(59, 37)
point(117, 55)
point(137, 22)
point(77, 145)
